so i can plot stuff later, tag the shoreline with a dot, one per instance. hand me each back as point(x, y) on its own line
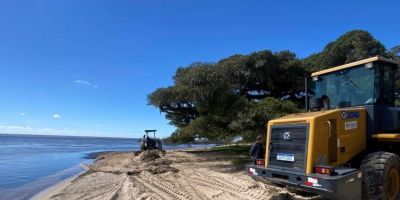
point(48, 192)
point(51, 190)
point(55, 188)
point(31, 189)
point(198, 173)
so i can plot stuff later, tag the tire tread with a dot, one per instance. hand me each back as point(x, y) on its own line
point(375, 167)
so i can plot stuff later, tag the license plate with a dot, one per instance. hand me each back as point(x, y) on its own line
point(285, 157)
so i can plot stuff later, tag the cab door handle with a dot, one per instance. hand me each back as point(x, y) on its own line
point(329, 129)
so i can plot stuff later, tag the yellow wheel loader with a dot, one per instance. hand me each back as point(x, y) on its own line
point(345, 145)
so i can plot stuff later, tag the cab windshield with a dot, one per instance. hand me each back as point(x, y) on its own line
point(349, 87)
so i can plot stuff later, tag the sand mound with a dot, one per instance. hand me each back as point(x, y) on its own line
point(153, 161)
point(148, 156)
point(159, 166)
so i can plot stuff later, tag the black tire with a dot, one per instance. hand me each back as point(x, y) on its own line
point(379, 174)
point(142, 148)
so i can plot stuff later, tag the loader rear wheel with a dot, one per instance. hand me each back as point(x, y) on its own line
point(381, 176)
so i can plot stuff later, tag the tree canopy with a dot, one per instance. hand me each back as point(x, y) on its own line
point(236, 96)
point(352, 46)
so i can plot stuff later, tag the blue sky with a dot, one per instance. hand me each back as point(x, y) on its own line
point(86, 67)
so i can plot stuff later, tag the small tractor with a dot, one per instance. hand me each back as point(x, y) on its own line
point(346, 144)
point(150, 143)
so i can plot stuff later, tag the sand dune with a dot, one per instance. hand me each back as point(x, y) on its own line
point(175, 175)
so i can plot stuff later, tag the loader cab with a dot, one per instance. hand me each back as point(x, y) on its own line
point(368, 83)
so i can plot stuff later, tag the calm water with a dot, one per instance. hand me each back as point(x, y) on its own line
point(29, 163)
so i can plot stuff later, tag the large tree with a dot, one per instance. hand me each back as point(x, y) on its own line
point(237, 95)
point(206, 98)
point(264, 73)
point(394, 52)
point(199, 95)
point(352, 46)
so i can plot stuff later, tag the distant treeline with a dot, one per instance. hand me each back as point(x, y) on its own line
point(235, 97)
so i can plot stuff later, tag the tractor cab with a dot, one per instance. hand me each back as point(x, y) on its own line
point(149, 143)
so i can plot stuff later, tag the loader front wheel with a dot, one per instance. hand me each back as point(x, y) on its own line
point(392, 183)
point(381, 176)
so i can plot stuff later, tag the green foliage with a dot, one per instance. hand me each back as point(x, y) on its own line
point(241, 151)
point(394, 52)
point(352, 46)
point(252, 121)
point(236, 96)
point(175, 104)
point(240, 162)
point(263, 74)
point(177, 137)
point(233, 149)
point(207, 98)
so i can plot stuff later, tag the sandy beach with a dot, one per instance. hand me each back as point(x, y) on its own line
point(177, 174)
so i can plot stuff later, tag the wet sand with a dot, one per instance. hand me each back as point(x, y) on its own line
point(177, 174)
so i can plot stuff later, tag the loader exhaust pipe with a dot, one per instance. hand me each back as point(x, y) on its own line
point(306, 94)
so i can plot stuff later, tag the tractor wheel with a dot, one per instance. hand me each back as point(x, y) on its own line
point(142, 148)
point(381, 176)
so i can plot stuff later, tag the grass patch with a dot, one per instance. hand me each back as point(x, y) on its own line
point(242, 151)
point(240, 162)
point(233, 149)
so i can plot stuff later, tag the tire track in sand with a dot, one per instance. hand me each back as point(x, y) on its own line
point(217, 181)
point(179, 181)
point(157, 183)
point(252, 189)
point(200, 183)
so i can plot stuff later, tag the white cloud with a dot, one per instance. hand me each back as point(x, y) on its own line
point(22, 114)
point(85, 82)
point(11, 129)
point(56, 116)
point(82, 82)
